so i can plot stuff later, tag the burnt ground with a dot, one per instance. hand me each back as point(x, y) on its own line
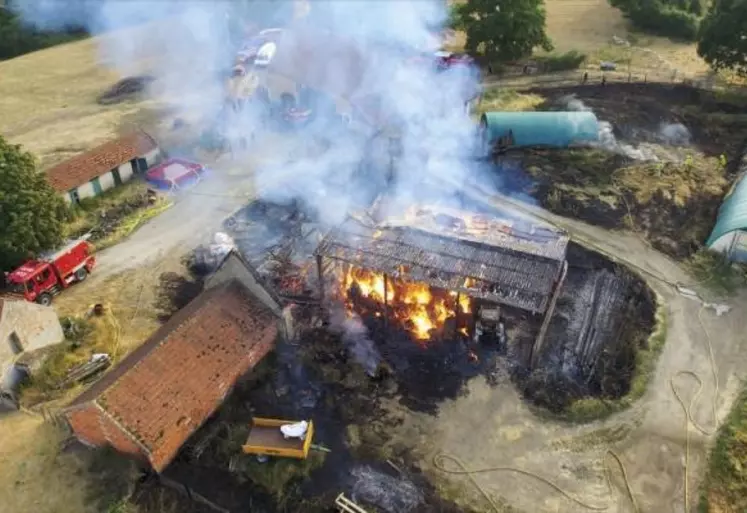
point(322, 377)
point(313, 379)
point(672, 202)
point(603, 316)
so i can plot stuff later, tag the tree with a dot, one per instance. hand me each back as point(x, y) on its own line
point(677, 19)
point(31, 212)
point(502, 30)
point(723, 36)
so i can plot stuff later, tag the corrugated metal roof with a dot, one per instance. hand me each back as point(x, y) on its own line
point(733, 212)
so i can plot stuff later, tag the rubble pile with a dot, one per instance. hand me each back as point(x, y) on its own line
point(279, 241)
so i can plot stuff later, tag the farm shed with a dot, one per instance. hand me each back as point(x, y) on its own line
point(24, 328)
point(104, 167)
point(729, 235)
point(161, 393)
point(554, 129)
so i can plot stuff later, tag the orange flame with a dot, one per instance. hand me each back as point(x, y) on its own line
point(421, 309)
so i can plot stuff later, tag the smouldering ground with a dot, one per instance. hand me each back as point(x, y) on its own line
point(492, 427)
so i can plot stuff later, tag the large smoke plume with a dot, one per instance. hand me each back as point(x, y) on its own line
point(361, 47)
point(189, 45)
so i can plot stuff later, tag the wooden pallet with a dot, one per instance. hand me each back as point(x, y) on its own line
point(347, 506)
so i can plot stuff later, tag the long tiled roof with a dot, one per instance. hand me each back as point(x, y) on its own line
point(85, 167)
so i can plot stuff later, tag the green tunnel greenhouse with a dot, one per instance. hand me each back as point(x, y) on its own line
point(729, 235)
point(553, 129)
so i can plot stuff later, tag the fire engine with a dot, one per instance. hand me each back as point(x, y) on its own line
point(40, 280)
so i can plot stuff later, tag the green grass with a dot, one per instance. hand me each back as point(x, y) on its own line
point(279, 476)
point(725, 485)
point(620, 55)
point(589, 409)
point(83, 338)
point(553, 62)
point(714, 271)
point(507, 100)
point(132, 222)
point(87, 215)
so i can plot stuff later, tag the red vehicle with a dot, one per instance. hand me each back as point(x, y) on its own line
point(40, 280)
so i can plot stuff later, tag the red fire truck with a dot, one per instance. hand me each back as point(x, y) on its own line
point(40, 280)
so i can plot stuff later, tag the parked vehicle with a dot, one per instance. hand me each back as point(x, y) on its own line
point(40, 280)
point(260, 49)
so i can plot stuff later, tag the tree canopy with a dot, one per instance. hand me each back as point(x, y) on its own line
point(31, 212)
point(677, 19)
point(723, 36)
point(17, 38)
point(502, 30)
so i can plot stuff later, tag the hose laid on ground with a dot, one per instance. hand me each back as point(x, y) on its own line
point(441, 458)
point(687, 408)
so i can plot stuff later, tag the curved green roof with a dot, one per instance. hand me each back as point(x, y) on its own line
point(557, 129)
point(733, 212)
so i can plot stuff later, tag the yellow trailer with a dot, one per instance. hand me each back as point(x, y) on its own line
point(265, 439)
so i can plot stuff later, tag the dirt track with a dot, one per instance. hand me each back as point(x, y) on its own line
point(493, 427)
point(649, 437)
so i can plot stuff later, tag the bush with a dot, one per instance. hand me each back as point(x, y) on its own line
point(713, 270)
point(561, 62)
point(18, 39)
point(666, 21)
point(725, 485)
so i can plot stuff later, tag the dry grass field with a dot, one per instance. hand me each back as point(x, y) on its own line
point(33, 475)
point(589, 25)
point(48, 98)
point(48, 104)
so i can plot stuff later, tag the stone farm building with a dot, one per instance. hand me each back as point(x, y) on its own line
point(161, 393)
point(24, 328)
point(104, 167)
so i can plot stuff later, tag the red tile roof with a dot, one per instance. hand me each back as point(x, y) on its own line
point(85, 167)
point(167, 388)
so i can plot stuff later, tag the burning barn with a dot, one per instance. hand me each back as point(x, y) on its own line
point(442, 273)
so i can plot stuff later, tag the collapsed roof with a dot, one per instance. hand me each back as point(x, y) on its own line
point(509, 262)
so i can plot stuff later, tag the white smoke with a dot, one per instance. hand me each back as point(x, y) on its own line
point(188, 46)
point(607, 139)
point(355, 337)
point(675, 134)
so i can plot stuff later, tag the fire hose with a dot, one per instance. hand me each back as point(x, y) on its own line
point(439, 460)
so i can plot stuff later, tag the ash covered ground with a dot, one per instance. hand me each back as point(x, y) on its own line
point(322, 376)
point(667, 156)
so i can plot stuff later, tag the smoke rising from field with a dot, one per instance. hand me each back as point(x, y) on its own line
point(190, 45)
